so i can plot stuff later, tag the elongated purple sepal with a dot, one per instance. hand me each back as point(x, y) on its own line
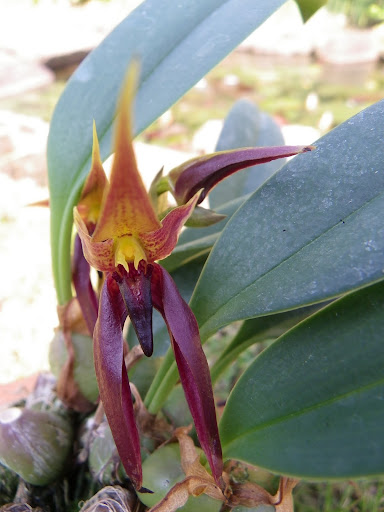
point(113, 379)
point(192, 364)
point(135, 288)
point(207, 171)
point(82, 282)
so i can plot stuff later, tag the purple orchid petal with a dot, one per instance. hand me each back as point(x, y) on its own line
point(191, 362)
point(113, 379)
point(207, 171)
point(84, 290)
point(135, 288)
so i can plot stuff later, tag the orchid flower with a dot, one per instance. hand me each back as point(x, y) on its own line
point(122, 236)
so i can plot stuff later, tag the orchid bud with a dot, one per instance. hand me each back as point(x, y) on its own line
point(34, 444)
point(84, 371)
point(204, 172)
point(158, 192)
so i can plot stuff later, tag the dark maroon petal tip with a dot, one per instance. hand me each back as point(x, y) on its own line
point(144, 490)
point(135, 288)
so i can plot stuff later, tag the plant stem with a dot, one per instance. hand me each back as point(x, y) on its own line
point(161, 393)
point(227, 358)
point(152, 398)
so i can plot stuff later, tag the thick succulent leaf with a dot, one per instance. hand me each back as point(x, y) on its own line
point(228, 209)
point(257, 330)
point(35, 444)
point(83, 286)
point(113, 381)
point(311, 405)
point(205, 172)
point(192, 364)
point(246, 126)
point(176, 45)
point(189, 251)
point(312, 232)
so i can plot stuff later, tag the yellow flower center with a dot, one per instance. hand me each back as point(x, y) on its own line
point(128, 249)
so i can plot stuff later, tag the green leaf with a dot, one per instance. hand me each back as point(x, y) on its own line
point(312, 232)
point(309, 7)
point(189, 251)
point(257, 330)
point(312, 404)
point(177, 45)
point(246, 126)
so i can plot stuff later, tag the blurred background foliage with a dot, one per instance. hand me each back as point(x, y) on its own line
point(360, 13)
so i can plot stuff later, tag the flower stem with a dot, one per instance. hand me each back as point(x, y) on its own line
point(162, 384)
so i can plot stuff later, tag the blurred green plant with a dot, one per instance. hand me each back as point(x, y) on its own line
point(359, 13)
